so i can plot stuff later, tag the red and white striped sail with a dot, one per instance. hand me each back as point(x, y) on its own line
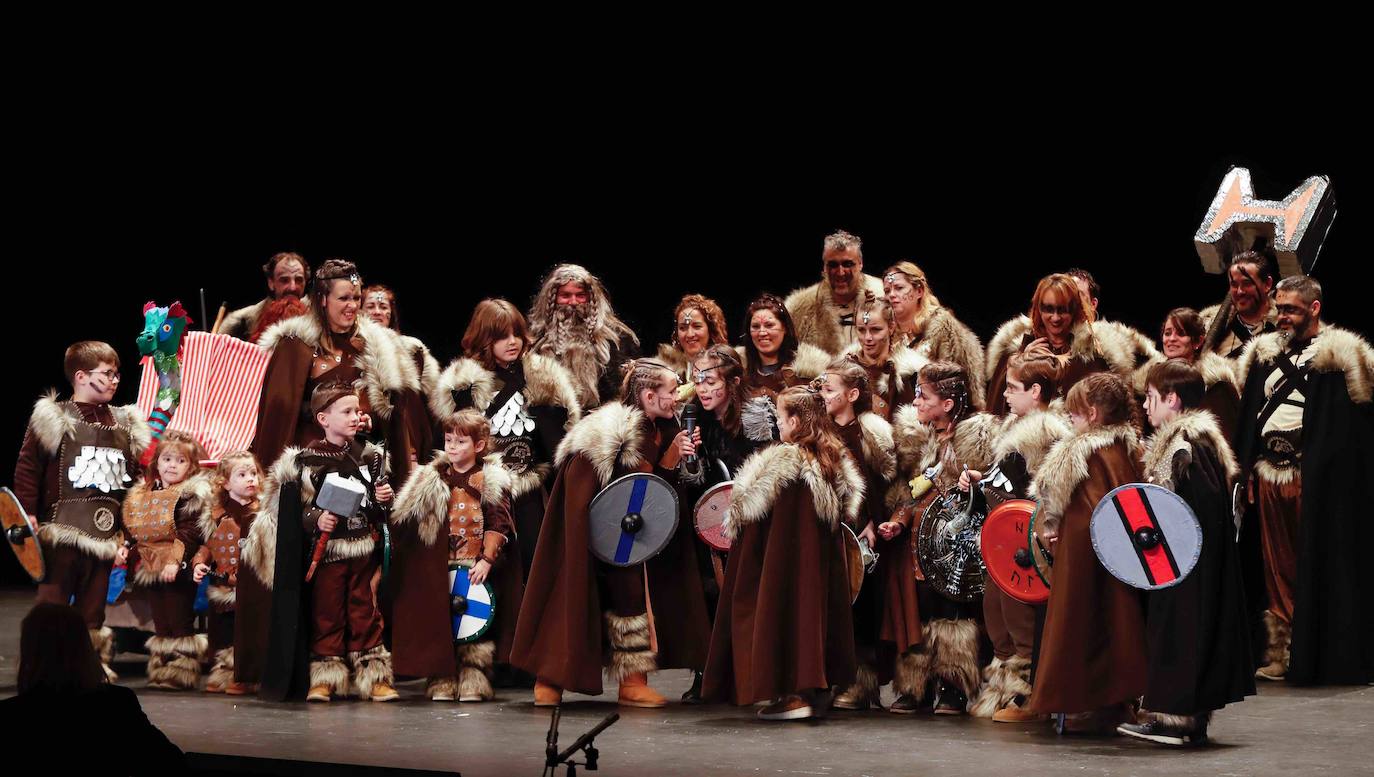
point(221, 384)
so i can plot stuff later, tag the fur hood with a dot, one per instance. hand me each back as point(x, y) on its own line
point(945, 338)
point(1031, 436)
point(547, 384)
point(880, 450)
point(424, 498)
point(260, 547)
point(50, 424)
point(1338, 350)
point(387, 360)
point(1169, 452)
point(918, 447)
point(1124, 349)
point(609, 436)
point(807, 364)
point(768, 472)
point(811, 314)
point(1066, 466)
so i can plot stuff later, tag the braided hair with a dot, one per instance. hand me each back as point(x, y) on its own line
point(815, 429)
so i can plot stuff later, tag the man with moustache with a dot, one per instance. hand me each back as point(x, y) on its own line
point(1306, 446)
point(1247, 311)
point(824, 313)
point(286, 274)
point(572, 322)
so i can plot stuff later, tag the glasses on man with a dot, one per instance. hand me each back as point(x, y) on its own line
point(835, 264)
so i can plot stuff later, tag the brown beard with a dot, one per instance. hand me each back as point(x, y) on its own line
point(570, 340)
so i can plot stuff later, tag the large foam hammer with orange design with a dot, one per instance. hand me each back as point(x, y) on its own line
point(1293, 228)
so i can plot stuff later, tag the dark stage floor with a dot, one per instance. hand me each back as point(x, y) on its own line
point(1282, 731)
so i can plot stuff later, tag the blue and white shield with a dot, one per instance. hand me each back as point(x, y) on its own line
point(472, 607)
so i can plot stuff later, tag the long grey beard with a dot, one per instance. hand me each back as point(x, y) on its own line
point(571, 340)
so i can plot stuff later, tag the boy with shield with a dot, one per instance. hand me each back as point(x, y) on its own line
point(454, 515)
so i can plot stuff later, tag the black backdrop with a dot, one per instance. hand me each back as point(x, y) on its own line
point(124, 219)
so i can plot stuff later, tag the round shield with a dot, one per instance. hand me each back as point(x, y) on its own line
point(472, 607)
point(947, 546)
point(710, 514)
point(853, 561)
point(21, 534)
point(1146, 536)
point(632, 519)
point(1007, 555)
point(1041, 557)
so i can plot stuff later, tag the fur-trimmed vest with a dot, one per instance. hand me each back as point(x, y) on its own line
point(1169, 452)
point(1338, 350)
point(945, 338)
point(1029, 436)
point(1215, 369)
point(1122, 348)
point(53, 424)
point(607, 437)
point(184, 512)
point(424, 498)
point(1217, 325)
point(260, 549)
point(814, 316)
point(1067, 465)
point(547, 384)
point(386, 359)
point(768, 472)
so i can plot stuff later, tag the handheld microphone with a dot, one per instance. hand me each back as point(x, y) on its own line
point(689, 425)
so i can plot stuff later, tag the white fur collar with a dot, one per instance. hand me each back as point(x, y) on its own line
point(1066, 466)
point(50, 424)
point(768, 472)
point(609, 436)
point(1338, 350)
point(1177, 436)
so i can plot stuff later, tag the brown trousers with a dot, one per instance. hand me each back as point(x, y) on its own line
point(344, 617)
point(1010, 624)
point(77, 579)
point(625, 590)
point(1280, 515)
point(220, 630)
point(173, 607)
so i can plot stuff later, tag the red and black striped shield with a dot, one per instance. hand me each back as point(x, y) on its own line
point(1146, 536)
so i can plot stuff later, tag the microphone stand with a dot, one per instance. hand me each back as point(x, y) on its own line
point(586, 743)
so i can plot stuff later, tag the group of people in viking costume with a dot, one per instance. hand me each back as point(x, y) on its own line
point(399, 519)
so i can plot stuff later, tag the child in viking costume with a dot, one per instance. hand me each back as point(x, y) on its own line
point(346, 654)
point(167, 517)
point(784, 631)
point(1198, 639)
point(560, 636)
point(891, 367)
point(935, 637)
point(458, 508)
point(77, 459)
point(236, 480)
point(1092, 656)
point(1019, 446)
point(868, 440)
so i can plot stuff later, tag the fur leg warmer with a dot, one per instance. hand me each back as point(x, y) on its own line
point(630, 648)
point(370, 667)
point(475, 661)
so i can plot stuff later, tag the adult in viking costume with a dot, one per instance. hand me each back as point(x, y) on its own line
point(287, 275)
point(1305, 437)
point(890, 366)
point(824, 313)
point(772, 358)
point(698, 324)
point(573, 323)
point(1248, 310)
